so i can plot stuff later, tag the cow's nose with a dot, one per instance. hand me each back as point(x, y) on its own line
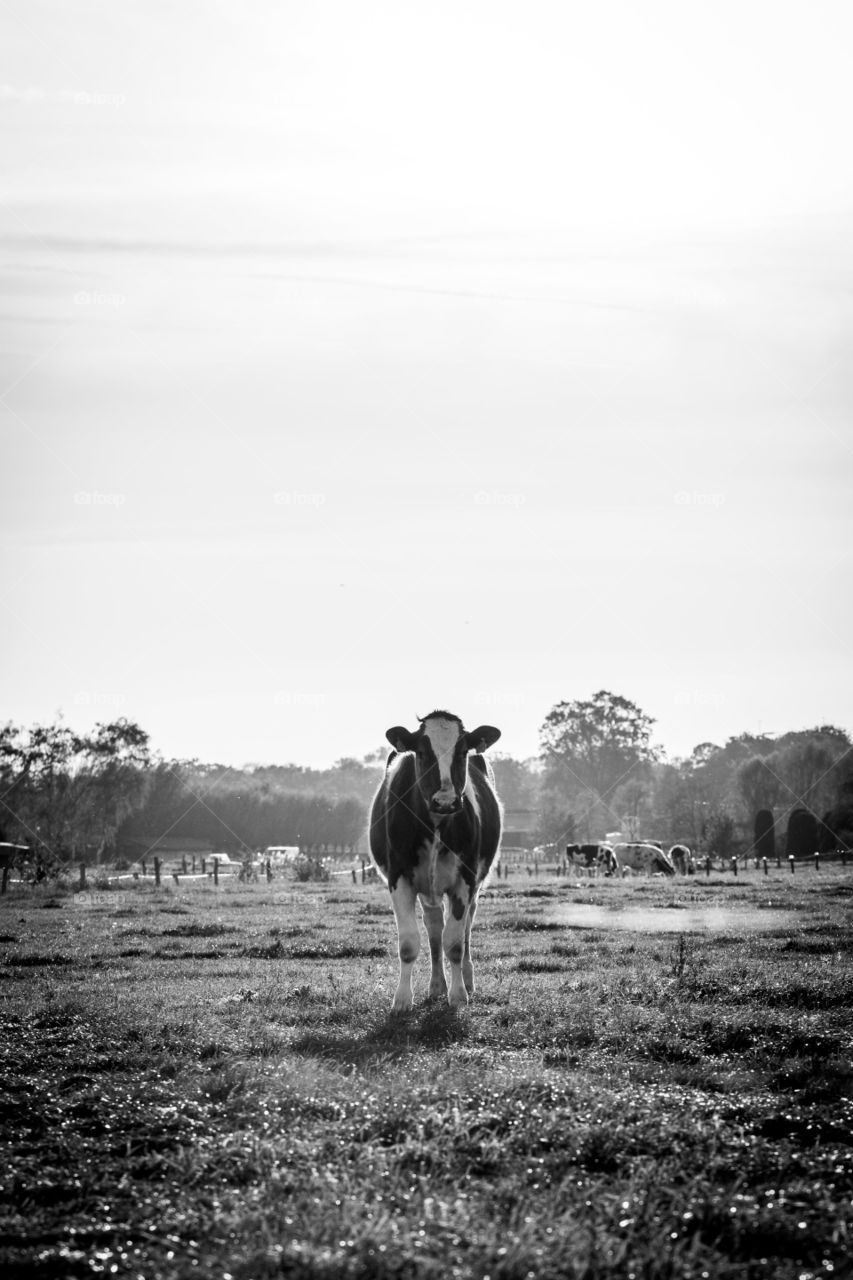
point(442, 805)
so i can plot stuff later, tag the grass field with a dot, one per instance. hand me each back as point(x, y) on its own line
point(207, 1083)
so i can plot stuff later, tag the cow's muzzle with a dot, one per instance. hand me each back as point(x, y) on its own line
point(442, 808)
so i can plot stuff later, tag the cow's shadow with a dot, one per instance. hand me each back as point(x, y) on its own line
point(427, 1028)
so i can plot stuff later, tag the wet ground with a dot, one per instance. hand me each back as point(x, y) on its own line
point(670, 919)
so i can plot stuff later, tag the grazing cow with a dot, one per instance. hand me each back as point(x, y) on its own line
point(648, 858)
point(435, 829)
point(682, 859)
point(588, 858)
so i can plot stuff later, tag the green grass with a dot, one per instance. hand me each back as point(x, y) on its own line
point(203, 1083)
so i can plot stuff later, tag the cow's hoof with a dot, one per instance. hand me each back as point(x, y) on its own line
point(458, 999)
point(437, 991)
point(402, 1004)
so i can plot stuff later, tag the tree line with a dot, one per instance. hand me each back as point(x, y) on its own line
point(104, 795)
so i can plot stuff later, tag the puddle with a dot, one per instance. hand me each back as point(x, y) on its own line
point(670, 919)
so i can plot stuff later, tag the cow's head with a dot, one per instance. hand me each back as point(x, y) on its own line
point(441, 747)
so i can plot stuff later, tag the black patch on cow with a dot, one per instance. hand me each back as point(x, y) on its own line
point(457, 906)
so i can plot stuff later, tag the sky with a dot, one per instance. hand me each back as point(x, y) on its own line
point(357, 360)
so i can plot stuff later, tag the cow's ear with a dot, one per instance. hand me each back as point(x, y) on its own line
point(401, 738)
point(479, 739)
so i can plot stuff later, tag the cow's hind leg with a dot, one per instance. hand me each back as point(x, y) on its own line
point(467, 962)
point(455, 932)
point(434, 919)
point(408, 940)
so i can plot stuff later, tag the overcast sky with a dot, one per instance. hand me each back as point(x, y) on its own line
point(357, 359)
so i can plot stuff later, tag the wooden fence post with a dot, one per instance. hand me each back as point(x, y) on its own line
point(184, 864)
point(144, 868)
point(204, 866)
point(82, 875)
point(157, 873)
point(817, 860)
point(707, 865)
point(791, 862)
point(764, 861)
point(269, 871)
point(363, 871)
point(216, 871)
point(734, 866)
point(175, 877)
point(5, 878)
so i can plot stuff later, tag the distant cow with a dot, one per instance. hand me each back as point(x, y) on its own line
point(435, 829)
point(645, 858)
point(682, 859)
point(589, 858)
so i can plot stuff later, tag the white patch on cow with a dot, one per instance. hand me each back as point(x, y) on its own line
point(408, 941)
point(471, 793)
point(443, 736)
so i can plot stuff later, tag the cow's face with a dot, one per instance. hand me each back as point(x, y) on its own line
point(441, 747)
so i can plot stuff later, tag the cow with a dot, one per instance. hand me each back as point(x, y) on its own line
point(648, 858)
point(435, 830)
point(682, 859)
point(588, 858)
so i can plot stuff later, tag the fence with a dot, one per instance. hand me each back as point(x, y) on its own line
point(514, 861)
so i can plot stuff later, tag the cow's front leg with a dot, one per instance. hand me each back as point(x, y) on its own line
point(467, 963)
point(454, 943)
point(434, 919)
point(408, 941)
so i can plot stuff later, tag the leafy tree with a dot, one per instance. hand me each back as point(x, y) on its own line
point(632, 801)
point(595, 745)
point(517, 783)
point(759, 783)
point(807, 768)
point(720, 834)
point(802, 835)
point(764, 842)
point(556, 825)
point(113, 778)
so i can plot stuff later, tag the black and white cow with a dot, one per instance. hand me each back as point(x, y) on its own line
point(435, 829)
point(588, 858)
point(682, 859)
point(647, 858)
